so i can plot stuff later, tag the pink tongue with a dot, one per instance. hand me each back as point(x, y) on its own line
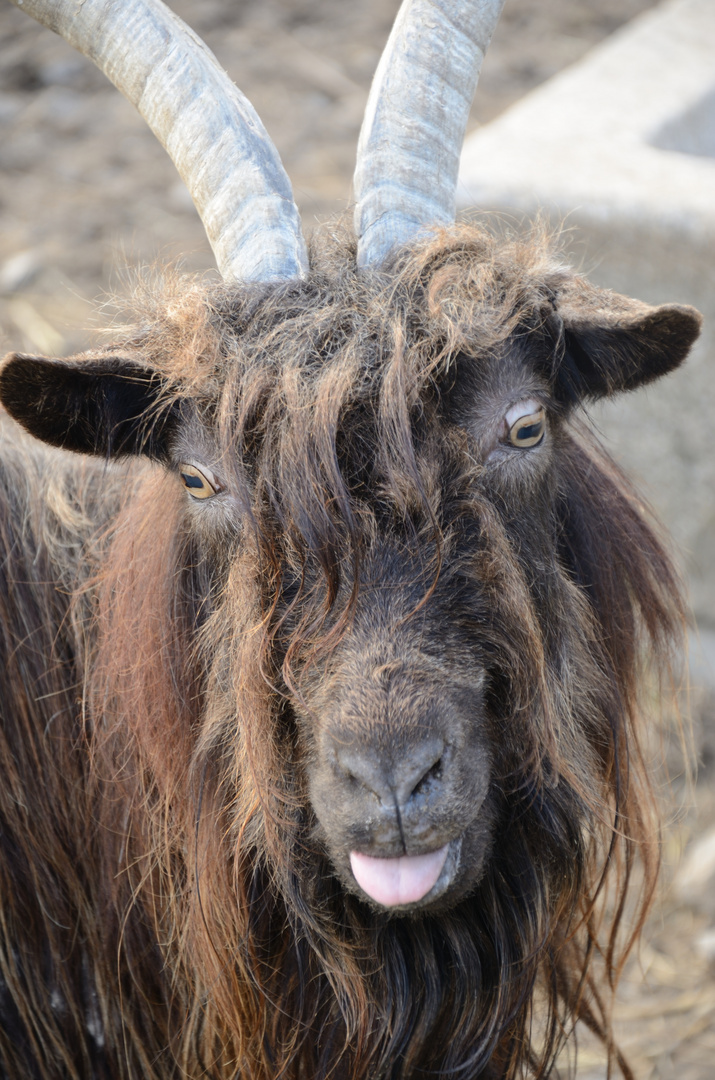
point(398, 881)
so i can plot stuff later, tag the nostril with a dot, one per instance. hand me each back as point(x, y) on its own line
point(433, 773)
point(360, 772)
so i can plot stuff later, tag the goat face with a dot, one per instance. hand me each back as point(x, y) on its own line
point(395, 472)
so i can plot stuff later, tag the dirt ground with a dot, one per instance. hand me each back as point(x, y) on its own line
point(85, 191)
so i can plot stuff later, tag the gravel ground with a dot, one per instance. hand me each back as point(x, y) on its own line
point(85, 191)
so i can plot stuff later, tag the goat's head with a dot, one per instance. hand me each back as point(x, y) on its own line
point(390, 650)
point(416, 593)
point(382, 477)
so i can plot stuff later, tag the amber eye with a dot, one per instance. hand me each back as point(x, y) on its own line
point(529, 428)
point(197, 483)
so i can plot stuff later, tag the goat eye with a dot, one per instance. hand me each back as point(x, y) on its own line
point(527, 429)
point(197, 483)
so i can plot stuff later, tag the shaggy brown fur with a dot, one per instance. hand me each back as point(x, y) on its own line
point(174, 896)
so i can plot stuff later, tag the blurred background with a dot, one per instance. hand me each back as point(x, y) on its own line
point(85, 191)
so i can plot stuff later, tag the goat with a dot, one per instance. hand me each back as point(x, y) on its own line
point(323, 620)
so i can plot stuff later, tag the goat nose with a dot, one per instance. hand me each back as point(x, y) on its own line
point(393, 781)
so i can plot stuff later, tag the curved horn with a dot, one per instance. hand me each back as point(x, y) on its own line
point(211, 131)
point(416, 115)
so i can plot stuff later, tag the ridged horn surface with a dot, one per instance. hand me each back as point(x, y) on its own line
point(210, 130)
point(411, 138)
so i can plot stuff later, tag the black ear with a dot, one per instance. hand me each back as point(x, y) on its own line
point(612, 343)
point(104, 405)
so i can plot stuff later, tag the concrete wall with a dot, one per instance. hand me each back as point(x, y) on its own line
point(621, 148)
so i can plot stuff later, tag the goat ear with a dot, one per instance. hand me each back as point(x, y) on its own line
point(612, 343)
point(105, 405)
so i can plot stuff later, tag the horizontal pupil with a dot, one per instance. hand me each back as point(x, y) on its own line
point(532, 431)
point(192, 481)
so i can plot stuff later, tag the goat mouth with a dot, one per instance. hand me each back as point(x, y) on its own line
point(408, 880)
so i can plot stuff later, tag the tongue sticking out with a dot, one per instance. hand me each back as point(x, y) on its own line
point(398, 881)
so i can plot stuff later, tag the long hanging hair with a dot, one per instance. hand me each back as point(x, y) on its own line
point(239, 952)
